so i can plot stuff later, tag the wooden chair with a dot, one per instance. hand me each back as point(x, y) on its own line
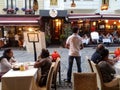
point(56, 69)
point(49, 79)
point(100, 82)
point(90, 64)
point(0, 86)
point(84, 81)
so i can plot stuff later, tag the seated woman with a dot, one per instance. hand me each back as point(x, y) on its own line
point(44, 63)
point(6, 61)
point(107, 70)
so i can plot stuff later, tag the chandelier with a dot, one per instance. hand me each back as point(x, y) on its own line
point(73, 4)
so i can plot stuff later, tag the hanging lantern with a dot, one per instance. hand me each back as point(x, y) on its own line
point(73, 4)
point(105, 5)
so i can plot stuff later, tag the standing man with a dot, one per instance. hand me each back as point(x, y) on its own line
point(74, 44)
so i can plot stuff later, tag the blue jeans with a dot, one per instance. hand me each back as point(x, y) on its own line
point(70, 64)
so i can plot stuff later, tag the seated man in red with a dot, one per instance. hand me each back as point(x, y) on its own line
point(55, 55)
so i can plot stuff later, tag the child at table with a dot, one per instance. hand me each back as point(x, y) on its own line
point(55, 55)
point(44, 63)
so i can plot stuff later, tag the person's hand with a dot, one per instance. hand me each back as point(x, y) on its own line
point(81, 46)
point(37, 64)
point(117, 58)
point(67, 46)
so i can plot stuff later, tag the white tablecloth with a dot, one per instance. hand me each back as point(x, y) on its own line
point(20, 80)
point(106, 40)
point(117, 67)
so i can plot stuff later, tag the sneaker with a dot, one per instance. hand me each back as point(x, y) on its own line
point(68, 81)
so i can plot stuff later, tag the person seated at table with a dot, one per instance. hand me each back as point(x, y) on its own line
point(55, 55)
point(109, 36)
point(6, 61)
point(107, 70)
point(85, 39)
point(96, 56)
point(44, 63)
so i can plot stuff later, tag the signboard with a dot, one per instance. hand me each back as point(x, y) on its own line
point(33, 37)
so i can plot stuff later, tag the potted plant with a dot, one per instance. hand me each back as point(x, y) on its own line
point(48, 40)
point(10, 10)
point(65, 34)
point(16, 8)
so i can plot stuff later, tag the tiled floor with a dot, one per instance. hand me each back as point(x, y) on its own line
point(24, 56)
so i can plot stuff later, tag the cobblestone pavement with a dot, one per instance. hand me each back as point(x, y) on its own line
point(24, 56)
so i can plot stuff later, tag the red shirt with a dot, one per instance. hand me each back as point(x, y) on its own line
point(55, 55)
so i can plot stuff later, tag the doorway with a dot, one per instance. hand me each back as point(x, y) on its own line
point(56, 29)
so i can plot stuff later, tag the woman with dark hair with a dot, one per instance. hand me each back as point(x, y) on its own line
point(44, 63)
point(107, 70)
point(6, 61)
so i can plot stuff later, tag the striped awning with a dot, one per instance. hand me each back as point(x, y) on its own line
point(18, 20)
point(76, 17)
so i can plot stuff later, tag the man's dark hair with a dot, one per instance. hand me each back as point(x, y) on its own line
point(75, 29)
point(104, 53)
point(100, 47)
point(44, 53)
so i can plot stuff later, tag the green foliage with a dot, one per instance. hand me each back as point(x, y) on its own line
point(48, 39)
point(66, 33)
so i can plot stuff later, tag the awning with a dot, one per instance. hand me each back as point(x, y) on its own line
point(76, 17)
point(19, 20)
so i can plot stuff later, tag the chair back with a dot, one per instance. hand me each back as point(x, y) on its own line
point(56, 68)
point(96, 70)
point(84, 81)
point(90, 65)
point(49, 78)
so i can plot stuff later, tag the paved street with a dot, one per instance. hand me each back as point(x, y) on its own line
point(24, 56)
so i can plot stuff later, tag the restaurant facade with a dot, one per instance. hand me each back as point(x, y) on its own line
point(18, 16)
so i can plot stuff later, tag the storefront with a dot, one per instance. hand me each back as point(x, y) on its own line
point(52, 23)
point(103, 23)
point(10, 25)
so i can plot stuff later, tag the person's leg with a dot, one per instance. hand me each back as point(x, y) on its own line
point(70, 64)
point(78, 62)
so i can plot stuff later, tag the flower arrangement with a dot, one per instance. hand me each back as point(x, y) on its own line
point(16, 8)
point(28, 10)
point(23, 9)
point(10, 10)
